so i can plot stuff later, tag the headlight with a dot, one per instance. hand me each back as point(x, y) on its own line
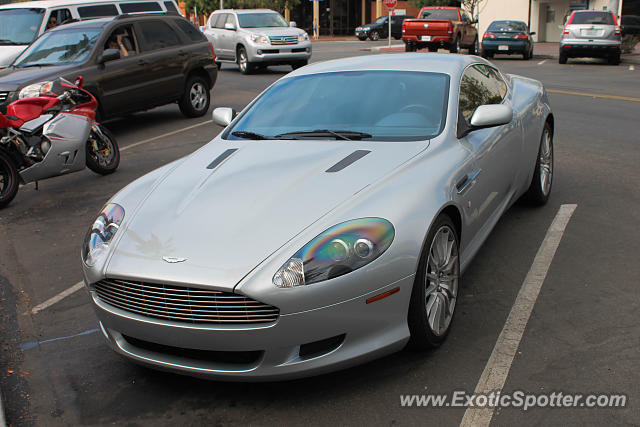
point(259, 38)
point(97, 240)
point(35, 89)
point(339, 250)
point(303, 37)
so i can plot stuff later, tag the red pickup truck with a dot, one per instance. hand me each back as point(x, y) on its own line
point(448, 27)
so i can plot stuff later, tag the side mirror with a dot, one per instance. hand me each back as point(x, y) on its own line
point(532, 33)
point(230, 26)
point(293, 24)
point(222, 116)
point(109, 55)
point(487, 116)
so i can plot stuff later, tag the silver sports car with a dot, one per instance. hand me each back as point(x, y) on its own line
point(328, 224)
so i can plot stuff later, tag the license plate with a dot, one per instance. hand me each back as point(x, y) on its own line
point(425, 38)
point(503, 47)
point(589, 33)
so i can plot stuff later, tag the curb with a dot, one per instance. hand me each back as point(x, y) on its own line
point(3, 421)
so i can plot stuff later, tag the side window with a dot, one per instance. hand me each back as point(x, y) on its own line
point(57, 17)
point(220, 19)
point(97, 11)
point(170, 6)
point(480, 85)
point(123, 38)
point(140, 7)
point(231, 19)
point(158, 35)
point(190, 30)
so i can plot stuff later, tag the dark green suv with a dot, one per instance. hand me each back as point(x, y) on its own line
point(129, 63)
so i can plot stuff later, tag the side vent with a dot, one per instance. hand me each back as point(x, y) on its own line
point(350, 159)
point(221, 158)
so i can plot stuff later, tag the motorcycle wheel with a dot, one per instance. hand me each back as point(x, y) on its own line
point(9, 180)
point(103, 154)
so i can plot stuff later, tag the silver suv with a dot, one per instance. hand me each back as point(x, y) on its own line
point(256, 37)
point(591, 33)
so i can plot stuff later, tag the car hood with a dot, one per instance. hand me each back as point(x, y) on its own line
point(9, 53)
point(218, 224)
point(14, 78)
point(276, 31)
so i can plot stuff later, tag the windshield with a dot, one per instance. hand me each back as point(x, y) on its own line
point(380, 20)
point(59, 48)
point(387, 105)
point(259, 20)
point(451, 14)
point(507, 26)
point(601, 18)
point(19, 26)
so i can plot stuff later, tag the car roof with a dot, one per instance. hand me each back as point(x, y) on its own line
point(507, 21)
point(103, 22)
point(431, 62)
point(56, 3)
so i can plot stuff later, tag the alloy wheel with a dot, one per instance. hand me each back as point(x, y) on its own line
point(198, 96)
point(441, 280)
point(545, 161)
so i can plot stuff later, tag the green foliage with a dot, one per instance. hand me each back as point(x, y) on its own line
point(205, 7)
point(423, 3)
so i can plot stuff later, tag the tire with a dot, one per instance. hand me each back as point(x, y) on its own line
point(475, 48)
point(435, 289)
point(526, 55)
point(103, 154)
point(614, 59)
point(245, 66)
point(455, 47)
point(196, 98)
point(562, 59)
point(218, 65)
point(373, 35)
point(409, 47)
point(299, 64)
point(540, 187)
point(9, 179)
point(362, 38)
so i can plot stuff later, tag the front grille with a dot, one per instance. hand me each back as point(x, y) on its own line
point(4, 96)
point(278, 40)
point(183, 304)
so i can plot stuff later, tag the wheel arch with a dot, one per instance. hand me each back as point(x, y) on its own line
point(200, 72)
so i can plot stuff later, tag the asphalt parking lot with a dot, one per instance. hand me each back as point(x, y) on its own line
point(582, 337)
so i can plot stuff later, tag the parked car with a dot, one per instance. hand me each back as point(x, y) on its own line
point(507, 37)
point(439, 26)
point(129, 63)
point(328, 224)
point(380, 28)
point(22, 23)
point(254, 38)
point(591, 33)
point(630, 25)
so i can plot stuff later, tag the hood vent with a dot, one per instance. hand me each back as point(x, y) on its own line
point(221, 158)
point(351, 158)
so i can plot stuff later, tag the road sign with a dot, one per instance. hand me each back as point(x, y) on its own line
point(391, 4)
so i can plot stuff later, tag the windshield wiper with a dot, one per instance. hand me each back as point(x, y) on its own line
point(346, 135)
point(248, 135)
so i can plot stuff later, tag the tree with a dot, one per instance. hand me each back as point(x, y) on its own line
point(423, 3)
point(205, 7)
point(472, 6)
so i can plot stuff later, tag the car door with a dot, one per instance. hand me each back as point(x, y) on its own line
point(121, 83)
point(488, 184)
point(161, 58)
point(214, 33)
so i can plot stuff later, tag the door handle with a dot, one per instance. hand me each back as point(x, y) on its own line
point(143, 62)
point(465, 183)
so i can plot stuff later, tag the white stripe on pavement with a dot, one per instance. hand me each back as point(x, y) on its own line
point(495, 373)
point(542, 62)
point(631, 68)
point(164, 135)
point(3, 420)
point(48, 303)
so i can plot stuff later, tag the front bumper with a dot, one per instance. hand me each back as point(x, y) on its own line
point(279, 54)
point(299, 344)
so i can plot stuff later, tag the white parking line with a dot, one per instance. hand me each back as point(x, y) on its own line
point(631, 68)
point(542, 62)
point(48, 303)
point(495, 373)
point(164, 135)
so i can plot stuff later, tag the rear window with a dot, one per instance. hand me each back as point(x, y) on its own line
point(140, 7)
point(507, 26)
point(601, 18)
point(190, 30)
point(97, 11)
point(450, 14)
point(158, 35)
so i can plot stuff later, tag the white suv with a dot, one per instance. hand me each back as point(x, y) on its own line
point(591, 33)
point(256, 37)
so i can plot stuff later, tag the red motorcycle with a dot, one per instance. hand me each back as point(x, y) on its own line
point(52, 132)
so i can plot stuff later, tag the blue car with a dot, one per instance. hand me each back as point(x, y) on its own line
point(507, 37)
